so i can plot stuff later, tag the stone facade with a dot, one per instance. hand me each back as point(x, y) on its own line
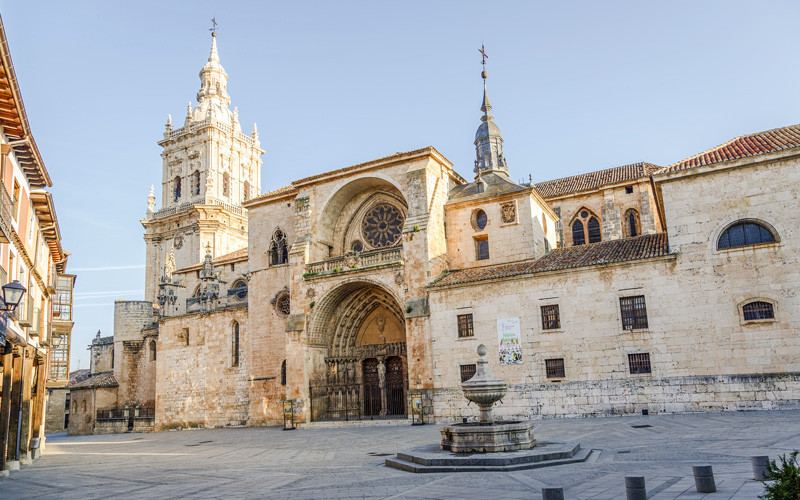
point(350, 292)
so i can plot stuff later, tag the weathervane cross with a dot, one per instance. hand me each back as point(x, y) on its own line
point(213, 28)
point(483, 57)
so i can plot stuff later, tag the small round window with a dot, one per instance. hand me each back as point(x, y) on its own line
point(479, 219)
point(584, 214)
point(357, 246)
point(283, 303)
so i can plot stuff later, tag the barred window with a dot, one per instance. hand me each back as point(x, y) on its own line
point(554, 368)
point(235, 345)
point(743, 234)
point(639, 363)
point(467, 372)
point(482, 248)
point(465, 328)
point(634, 312)
point(758, 310)
point(550, 317)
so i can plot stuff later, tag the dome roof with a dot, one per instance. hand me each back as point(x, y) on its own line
point(487, 129)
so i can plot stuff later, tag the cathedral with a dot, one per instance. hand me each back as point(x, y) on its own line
point(363, 292)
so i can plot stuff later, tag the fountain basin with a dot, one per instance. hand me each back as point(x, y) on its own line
point(482, 438)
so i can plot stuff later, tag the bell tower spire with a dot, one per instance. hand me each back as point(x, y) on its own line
point(488, 141)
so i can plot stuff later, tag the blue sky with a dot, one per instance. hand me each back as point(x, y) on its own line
point(576, 86)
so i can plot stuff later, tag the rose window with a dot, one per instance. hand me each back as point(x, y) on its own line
point(382, 225)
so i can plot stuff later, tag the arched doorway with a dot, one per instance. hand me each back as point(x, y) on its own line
point(363, 372)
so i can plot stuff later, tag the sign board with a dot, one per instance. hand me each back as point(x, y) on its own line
point(508, 337)
point(417, 416)
point(288, 415)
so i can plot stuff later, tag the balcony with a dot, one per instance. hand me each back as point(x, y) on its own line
point(198, 200)
point(6, 217)
point(354, 261)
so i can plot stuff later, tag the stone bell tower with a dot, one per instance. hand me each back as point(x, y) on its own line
point(209, 168)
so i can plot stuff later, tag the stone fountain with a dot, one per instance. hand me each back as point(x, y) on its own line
point(486, 435)
point(487, 445)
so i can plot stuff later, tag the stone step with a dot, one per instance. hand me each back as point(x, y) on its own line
point(336, 424)
point(529, 459)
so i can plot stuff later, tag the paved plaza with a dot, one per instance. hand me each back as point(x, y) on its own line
point(348, 462)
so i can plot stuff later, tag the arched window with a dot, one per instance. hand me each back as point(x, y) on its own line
point(177, 188)
point(283, 372)
point(246, 193)
point(239, 289)
point(152, 350)
point(586, 228)
point(631, 224)
point(111, 353)
point(578, 237)
point(235, 344)
point(745, 233)
point(226, 184)
point(196, 183)
point(757, 310)
point(594, 230)
point(83, 406)
point(278, 250)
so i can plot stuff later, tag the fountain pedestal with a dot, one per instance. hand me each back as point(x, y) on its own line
point(477, 438)
point(486, 436)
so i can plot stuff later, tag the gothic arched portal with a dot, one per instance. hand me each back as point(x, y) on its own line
point(360, 327)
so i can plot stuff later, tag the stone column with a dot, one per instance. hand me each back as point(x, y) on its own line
point(382, 382)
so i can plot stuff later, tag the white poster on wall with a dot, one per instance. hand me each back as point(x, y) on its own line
point(509, 339)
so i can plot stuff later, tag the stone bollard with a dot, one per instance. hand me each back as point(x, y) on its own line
point(704, 479)
point(759, 464)
point(552, 493)
point(634, 488)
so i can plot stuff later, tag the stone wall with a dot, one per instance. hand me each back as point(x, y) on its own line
point(621, 397)
point(56, 407)
point(197, 384)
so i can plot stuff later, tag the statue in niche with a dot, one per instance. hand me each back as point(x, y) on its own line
point(380, 321)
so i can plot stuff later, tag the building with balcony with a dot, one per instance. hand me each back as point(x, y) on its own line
point(30, 253)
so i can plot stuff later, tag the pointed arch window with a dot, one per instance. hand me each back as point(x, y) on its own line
point(578, 236)
point(177, 189)
point(152, 350)
point(226, 184)
point(586, 228)
point(235, 344)
point(631, 225)
point(745, 233)
point(283, 372)
point(278, 249)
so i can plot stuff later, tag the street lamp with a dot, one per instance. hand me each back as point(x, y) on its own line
point(12, 295)
point(55, 341)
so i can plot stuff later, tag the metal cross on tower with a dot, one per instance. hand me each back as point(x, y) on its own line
point(484, 57)
point(213, 28)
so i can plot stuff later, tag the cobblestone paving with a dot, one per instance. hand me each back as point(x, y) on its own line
point(348, 462)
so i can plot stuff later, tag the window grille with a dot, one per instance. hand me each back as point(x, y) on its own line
point(554, 368)
point(467, 372)
point(480, 219)
point(594, 230)
point(758, 310)
point(639, 363)
point(465, 328)
point(235, 345)
point(550, 317)
point(482, 248)
point(578, 237)
point(634, 312)
point(743, 234)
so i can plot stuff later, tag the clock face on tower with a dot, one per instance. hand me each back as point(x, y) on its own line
point(178, 242)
